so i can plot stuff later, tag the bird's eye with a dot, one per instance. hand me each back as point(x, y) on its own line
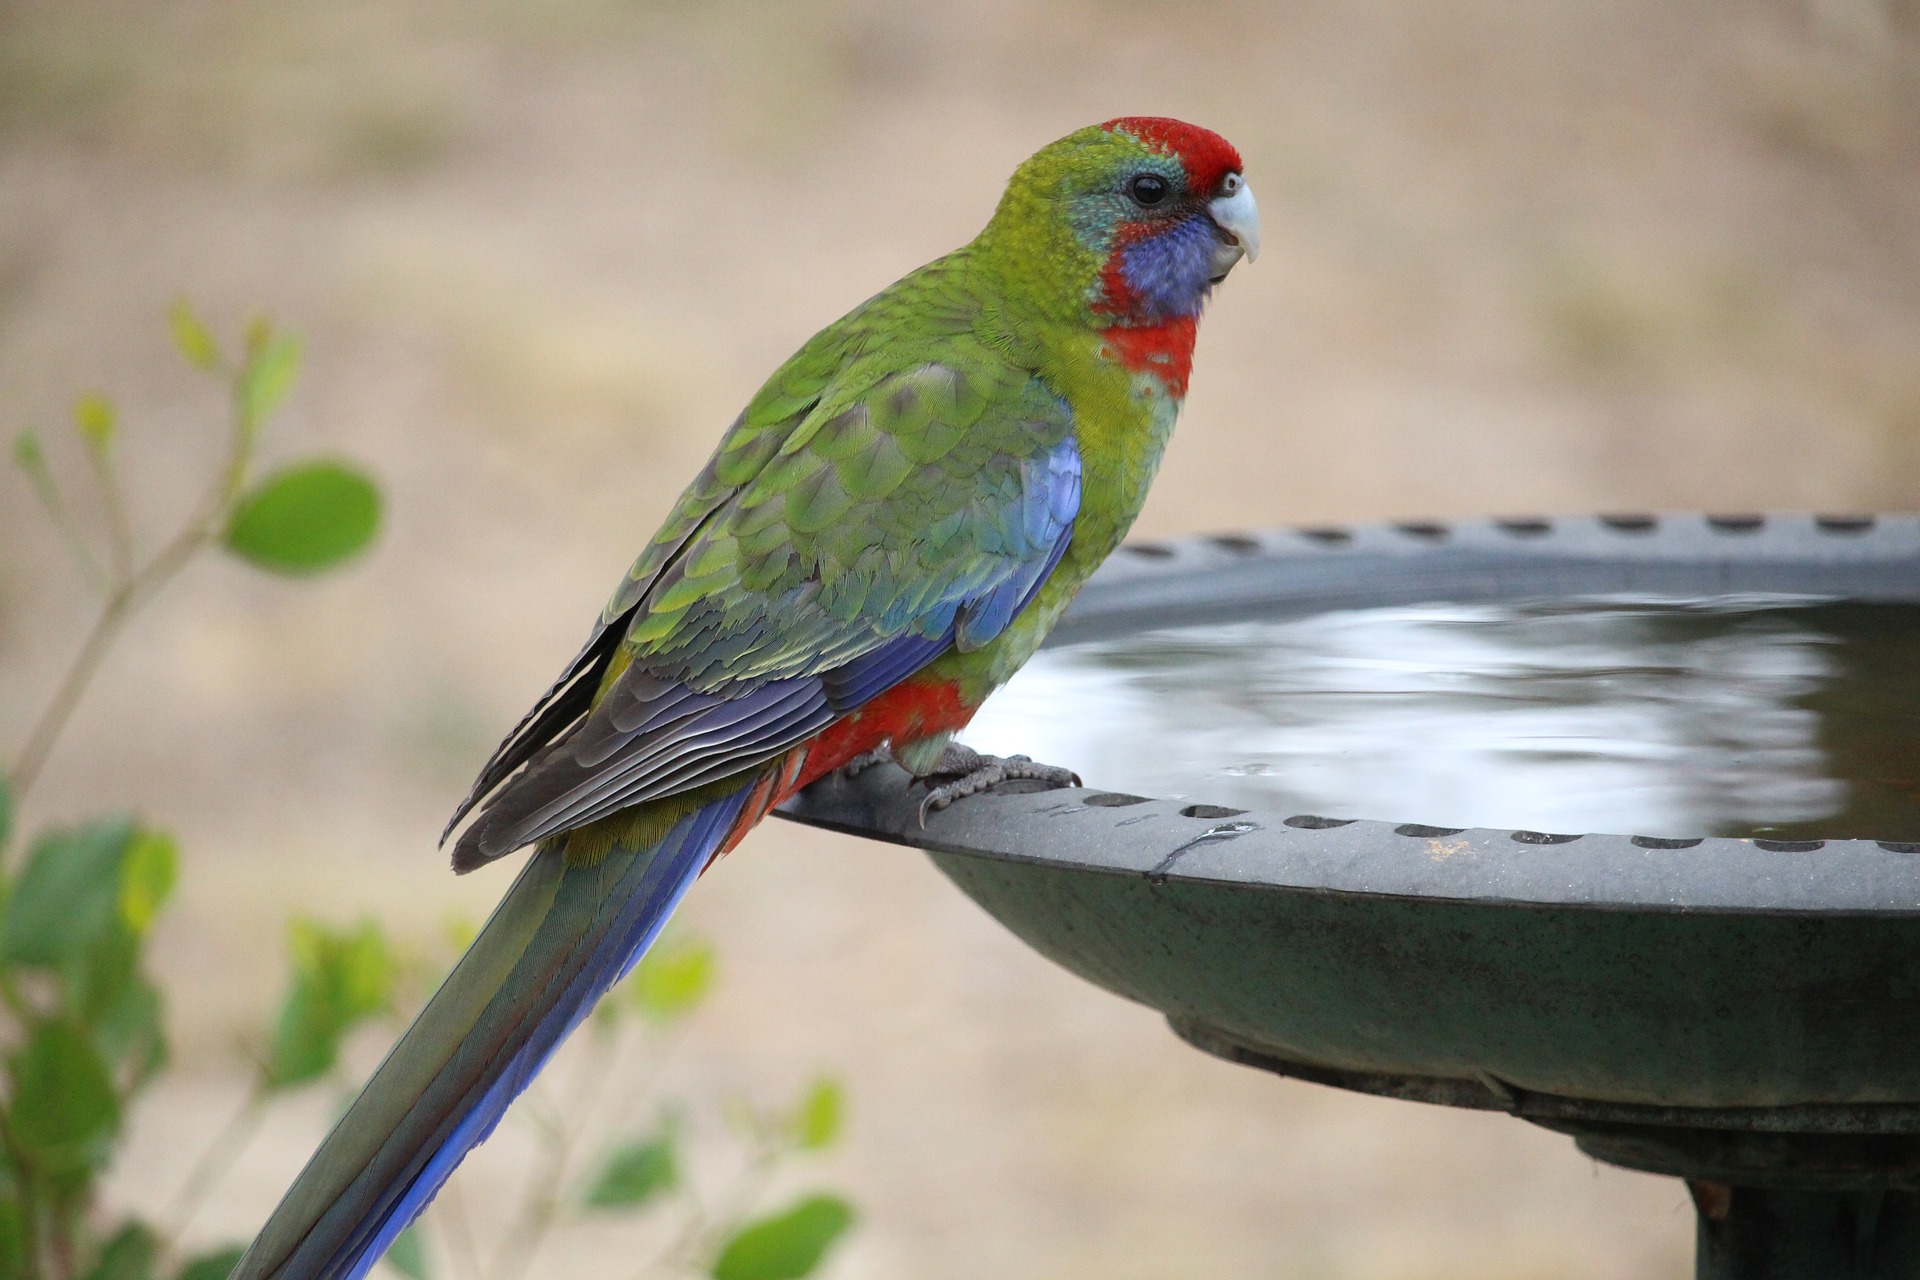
point(1231, 183)
point(1147, 189)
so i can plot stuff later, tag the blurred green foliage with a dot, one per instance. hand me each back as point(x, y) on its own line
point(81, 1017)
point(593, 1164)
point(305, 519)
point(672, 980)
point(817, 1122)
point(82, 1028)
point(634, 1173)
point(787, 1245)
point(340, 979)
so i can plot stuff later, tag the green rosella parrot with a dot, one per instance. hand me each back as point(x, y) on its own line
point(883, 536)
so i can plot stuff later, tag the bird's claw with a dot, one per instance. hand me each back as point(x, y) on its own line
point(973, 773)
point(882, 754)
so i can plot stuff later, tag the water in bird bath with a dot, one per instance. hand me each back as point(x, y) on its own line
point(1751, 715)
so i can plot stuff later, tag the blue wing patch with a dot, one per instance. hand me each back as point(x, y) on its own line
point(1043, 527)
point(1046, 523)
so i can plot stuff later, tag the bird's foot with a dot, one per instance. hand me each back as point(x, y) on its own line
point(973, 773)
point(882, 754)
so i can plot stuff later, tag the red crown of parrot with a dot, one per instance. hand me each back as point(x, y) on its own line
point(1205, 155)
point(1142, 338)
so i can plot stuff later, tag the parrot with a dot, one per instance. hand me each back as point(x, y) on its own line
point(882, 537)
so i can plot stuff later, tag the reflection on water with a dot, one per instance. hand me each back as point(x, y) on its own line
point(1732, 715)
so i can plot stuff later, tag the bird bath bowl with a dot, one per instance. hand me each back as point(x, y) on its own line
point(1612, 824)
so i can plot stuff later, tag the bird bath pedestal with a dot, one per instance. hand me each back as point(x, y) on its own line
point(1741, 1013)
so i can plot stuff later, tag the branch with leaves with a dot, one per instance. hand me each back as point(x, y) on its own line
point(593, 1163)
point(80, 1015)
point(302, 519)
point(81, 1027)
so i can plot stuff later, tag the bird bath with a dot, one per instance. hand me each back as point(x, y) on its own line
point(1611, 824)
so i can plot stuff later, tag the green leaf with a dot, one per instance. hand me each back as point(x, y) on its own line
point(101, 977)
point(271, 365)
point(217, 1265)
point(74, 910)
point(254, 338)
point(786, 1246)
point(340, 979)
point(130, 1255)
point(306, 1039)
point(366, 970)
point(192, 337)
point(6, 811)
point(67, 899)
point(821, 1114)
point(97, 421)
point(148, 872)
point(130, 1032)
point(672, 979)
point(122, 1008)
point(305, 518)
point(13, 1236)
point(28, 454)
point(635, 1173)
point(459, 931)
point(408, 1254)
point(63, 1112)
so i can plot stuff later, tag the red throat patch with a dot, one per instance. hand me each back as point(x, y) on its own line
point(1164, 350)
point(1206, 156)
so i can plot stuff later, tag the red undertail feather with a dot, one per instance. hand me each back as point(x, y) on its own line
point(773, 787)
point(910, 710)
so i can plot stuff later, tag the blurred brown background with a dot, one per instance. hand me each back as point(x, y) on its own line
point(1519, 258)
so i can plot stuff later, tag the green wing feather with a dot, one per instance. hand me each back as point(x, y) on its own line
point(887, 475)
point(881, 471)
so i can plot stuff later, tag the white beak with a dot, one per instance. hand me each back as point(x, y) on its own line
point(1236, 214)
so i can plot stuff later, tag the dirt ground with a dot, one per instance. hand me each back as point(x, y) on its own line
point(1519, 259)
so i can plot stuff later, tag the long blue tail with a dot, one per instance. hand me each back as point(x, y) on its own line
point(564, 934)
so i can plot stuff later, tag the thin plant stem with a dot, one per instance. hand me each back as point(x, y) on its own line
point(216, 1162)
point(564, 1136)
point(738, 1200)
point(542, 1207)
point(29, 1200)
point(126, 595)
point(119, 529)
point(592, 1085)
point(459, 1231)
point(641, 1086)
point(65, 1221)
point(704, 1224)
point(49, 495)
point(67, 694)
point(537, 1212)
point(707, 1224)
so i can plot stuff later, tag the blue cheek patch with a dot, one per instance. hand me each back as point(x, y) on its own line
point(1169, 270)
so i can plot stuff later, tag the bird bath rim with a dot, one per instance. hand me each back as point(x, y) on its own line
point(1549, 899)
point(1744, 1013)
point(1290, 572)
